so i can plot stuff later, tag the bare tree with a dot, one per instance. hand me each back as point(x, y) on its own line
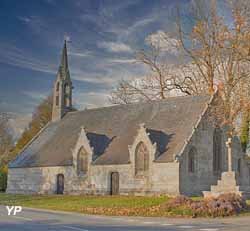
point(216, 54)
point(220, 51)
point(203, 42)
point(160, 79)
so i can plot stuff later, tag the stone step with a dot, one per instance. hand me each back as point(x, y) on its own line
point(245, 195)
point(228, 184)
point(225, 188)
point(209, 194)
point(229, 181)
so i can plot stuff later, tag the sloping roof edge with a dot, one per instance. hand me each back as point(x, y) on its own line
point(176, 157)
point(29, 143)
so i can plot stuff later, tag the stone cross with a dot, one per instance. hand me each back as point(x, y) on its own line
point(229, 153)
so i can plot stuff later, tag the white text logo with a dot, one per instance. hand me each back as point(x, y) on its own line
point(13, 210)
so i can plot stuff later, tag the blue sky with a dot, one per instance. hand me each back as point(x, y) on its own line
point(104, 35)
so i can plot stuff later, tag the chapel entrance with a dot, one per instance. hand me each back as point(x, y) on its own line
point(114, 183)
point(60, 184)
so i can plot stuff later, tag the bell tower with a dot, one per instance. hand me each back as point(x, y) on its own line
point(62, 91)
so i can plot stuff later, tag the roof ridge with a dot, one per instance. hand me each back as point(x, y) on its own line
point(139, 103)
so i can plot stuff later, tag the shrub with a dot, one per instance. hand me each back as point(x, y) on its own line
point(3, 181)
point(3, 178)
point(224, 205)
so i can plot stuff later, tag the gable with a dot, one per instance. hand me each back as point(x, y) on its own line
point(111, 130)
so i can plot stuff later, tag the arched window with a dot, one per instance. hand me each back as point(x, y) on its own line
point(57, 86)
point(217, 152)
point(141, 159)
point(192, 155)
point(66, 95)
point(249, 175)
point(82, 162)
point(239, 166)
point(57, 100)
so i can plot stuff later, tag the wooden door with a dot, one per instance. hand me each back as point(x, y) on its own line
point(114, 183)
point(60, 184)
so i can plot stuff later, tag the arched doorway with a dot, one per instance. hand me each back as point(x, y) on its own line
point(114, 183)
point(60, 184)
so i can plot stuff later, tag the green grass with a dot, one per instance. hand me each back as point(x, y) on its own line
point(81, 203)
point(105, 205)
point(197, 198)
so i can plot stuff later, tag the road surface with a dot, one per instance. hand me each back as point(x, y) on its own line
point(43, 220)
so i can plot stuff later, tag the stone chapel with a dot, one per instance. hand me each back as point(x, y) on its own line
point(161, 147)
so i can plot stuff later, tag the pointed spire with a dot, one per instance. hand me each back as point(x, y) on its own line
point(64, 60)
point(62, 94)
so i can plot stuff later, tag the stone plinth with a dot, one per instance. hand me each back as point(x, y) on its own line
point(227, 184)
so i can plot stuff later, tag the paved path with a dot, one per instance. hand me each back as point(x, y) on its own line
point(38, 220)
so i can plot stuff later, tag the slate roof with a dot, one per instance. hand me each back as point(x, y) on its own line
point(111, 129)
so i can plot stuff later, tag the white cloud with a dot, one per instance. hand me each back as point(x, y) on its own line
point(84, 54)
point(122, 61)
point(129, 31)
point(18, 123)
point(17, 57)
point(115, 47)
point(36, 23)
point(162, 40)
point(67, 38)
point(91, 100)
point(24, 19)
point(112, 70)
point(36, 95)
point(93, 78)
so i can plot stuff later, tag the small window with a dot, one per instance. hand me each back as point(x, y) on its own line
point(57, 86)
point(239, 166)
point(192, 160)
point(67, 95)
point(57, 100)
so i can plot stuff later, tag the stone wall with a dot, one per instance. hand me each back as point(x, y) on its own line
point(164, 179)
point(193, 184)
point(44, 180)
point(37, 180)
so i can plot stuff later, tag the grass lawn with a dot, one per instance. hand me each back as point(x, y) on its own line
point(108, 205)
point(105, 205)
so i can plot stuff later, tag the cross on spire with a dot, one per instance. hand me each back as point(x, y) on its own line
point(64, 60)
